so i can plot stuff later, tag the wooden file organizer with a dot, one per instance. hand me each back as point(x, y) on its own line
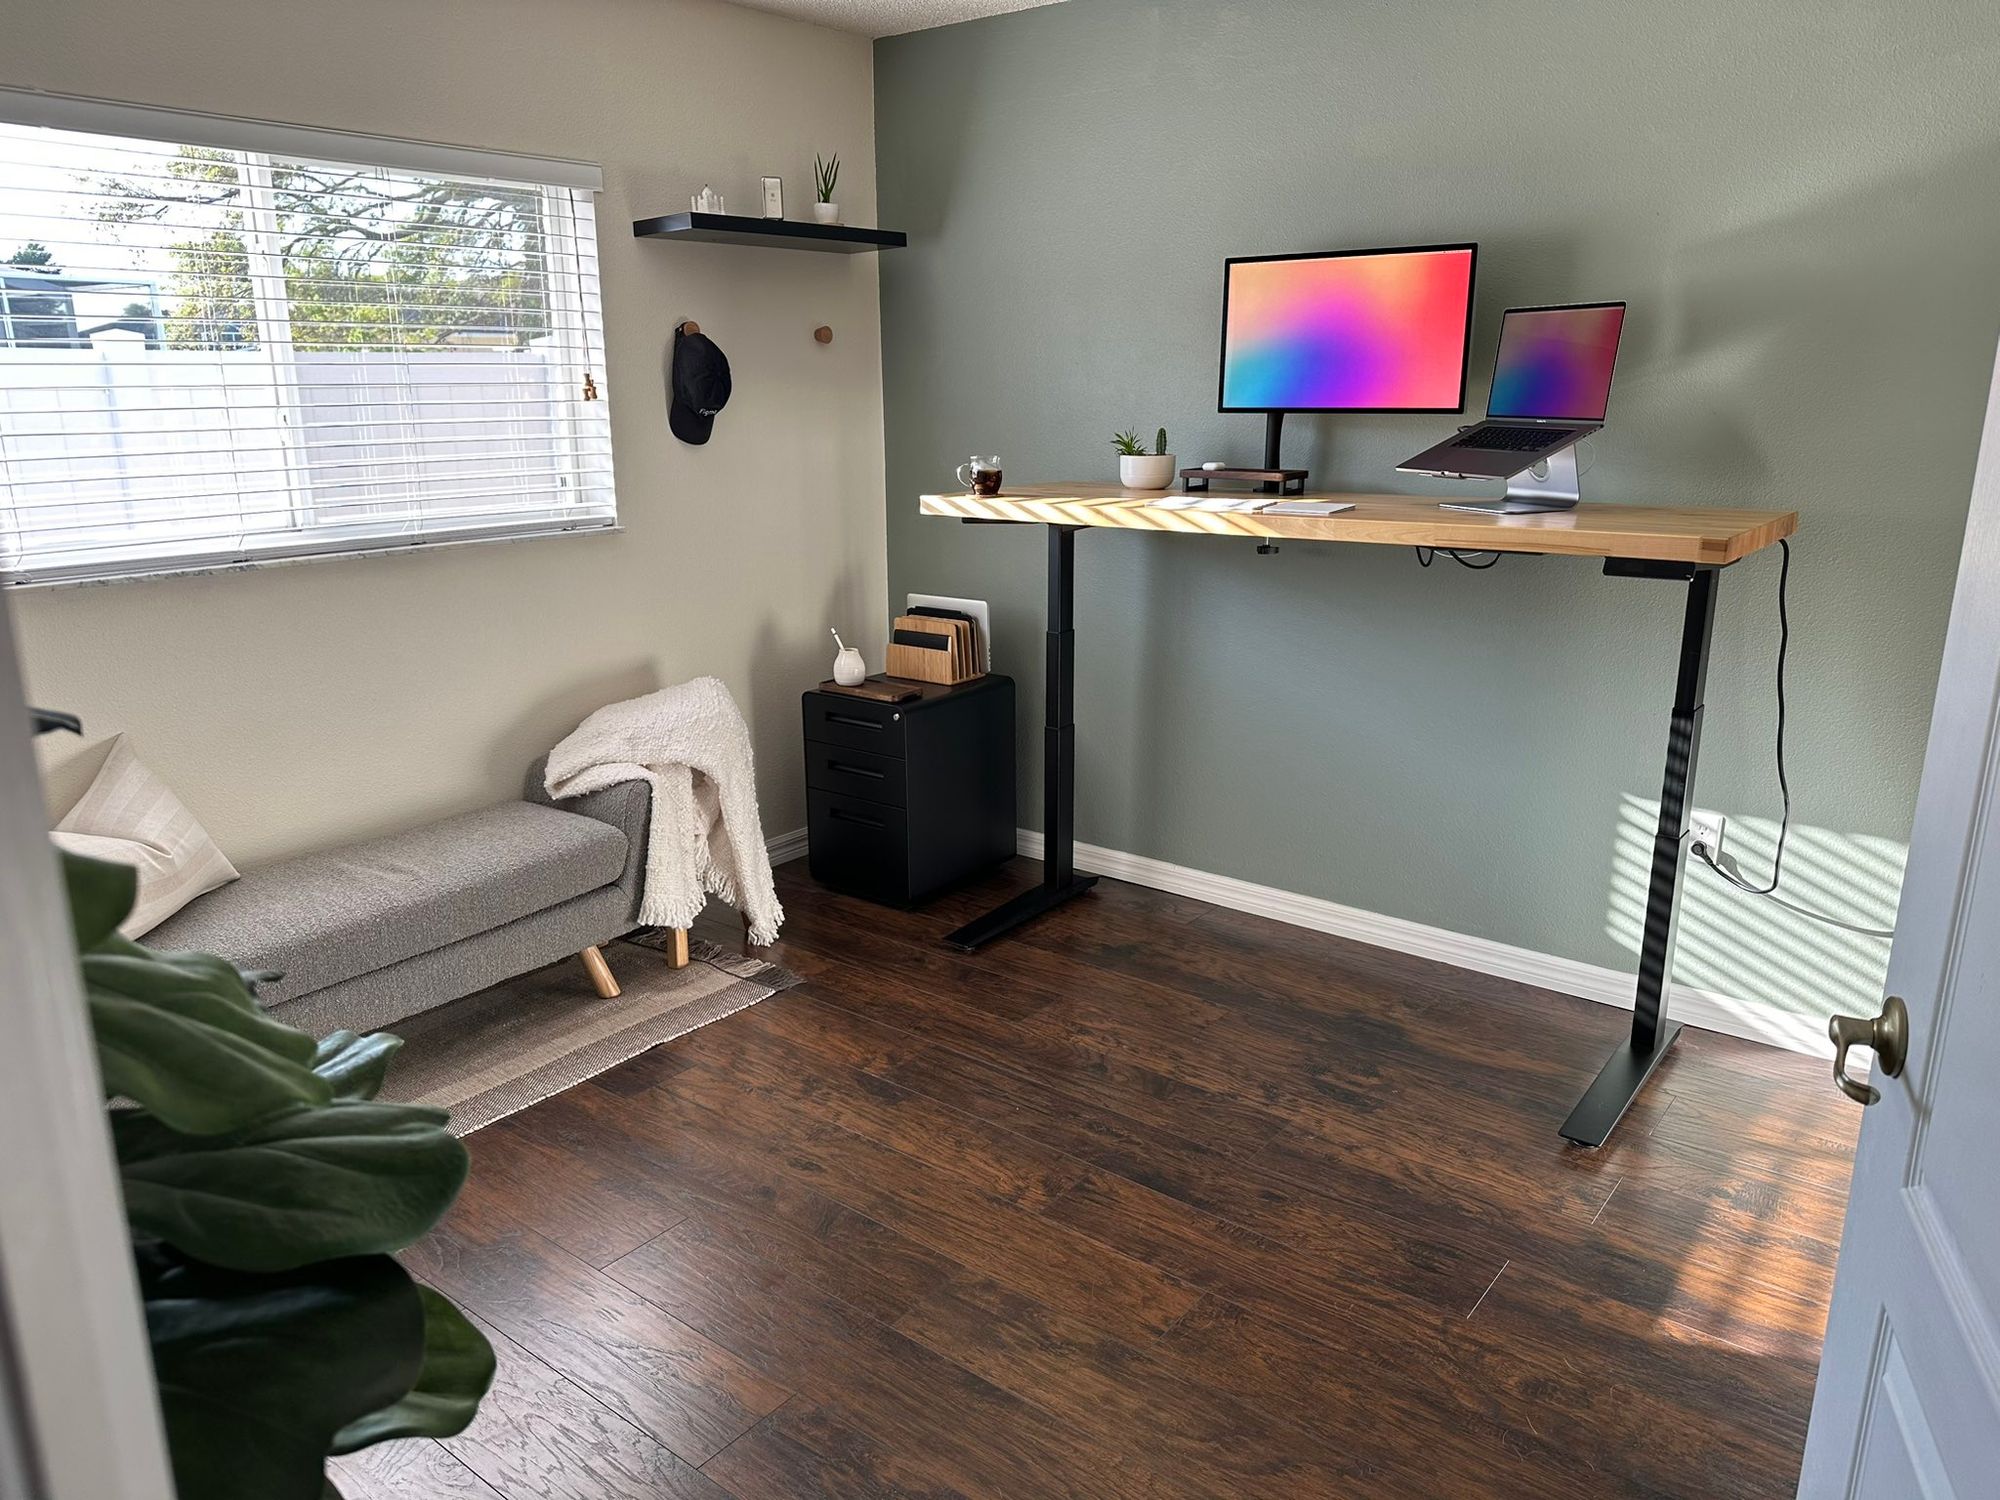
point(933, 648)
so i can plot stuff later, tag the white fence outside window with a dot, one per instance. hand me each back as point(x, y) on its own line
point(241, 355)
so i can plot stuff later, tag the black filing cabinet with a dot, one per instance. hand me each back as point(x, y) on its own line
point(906, 799)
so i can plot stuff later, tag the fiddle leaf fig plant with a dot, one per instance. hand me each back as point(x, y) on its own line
point(266, 1191)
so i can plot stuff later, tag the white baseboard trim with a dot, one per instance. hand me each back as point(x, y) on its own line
point(785, 847)
point(1567, 976)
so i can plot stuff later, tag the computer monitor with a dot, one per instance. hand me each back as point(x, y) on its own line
point(1555, 363)
point(1346, 331)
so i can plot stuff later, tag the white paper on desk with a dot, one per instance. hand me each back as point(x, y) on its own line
point(1229, 504)
point(1307, 507)
point(1214, 504)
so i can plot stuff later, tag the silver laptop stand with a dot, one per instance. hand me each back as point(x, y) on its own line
point(1554, 489)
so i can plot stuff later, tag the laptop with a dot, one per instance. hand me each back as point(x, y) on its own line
point(1551, 386)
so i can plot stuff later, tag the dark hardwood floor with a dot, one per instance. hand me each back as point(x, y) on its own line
point(1154, 1200)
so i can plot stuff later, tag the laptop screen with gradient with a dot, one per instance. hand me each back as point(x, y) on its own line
point(1555, 362)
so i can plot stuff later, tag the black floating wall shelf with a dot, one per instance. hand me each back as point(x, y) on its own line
point(782, 234)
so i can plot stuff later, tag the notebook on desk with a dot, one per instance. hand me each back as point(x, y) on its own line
point(1306, 507)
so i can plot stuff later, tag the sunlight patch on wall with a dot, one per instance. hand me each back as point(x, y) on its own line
point(1785, 970)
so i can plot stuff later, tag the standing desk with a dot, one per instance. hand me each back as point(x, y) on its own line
point(1678, 544)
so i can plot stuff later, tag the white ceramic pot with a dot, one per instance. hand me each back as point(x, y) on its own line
point(1146, 471)
point(826, 213)
point(849, 670)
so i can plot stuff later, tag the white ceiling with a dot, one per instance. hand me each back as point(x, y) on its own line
point(890, 17)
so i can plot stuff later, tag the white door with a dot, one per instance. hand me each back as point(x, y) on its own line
point(1909, 1383)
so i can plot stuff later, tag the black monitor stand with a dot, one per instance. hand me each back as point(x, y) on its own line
point(1274, 434)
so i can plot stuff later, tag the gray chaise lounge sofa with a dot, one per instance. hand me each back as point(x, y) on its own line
point(369, 934)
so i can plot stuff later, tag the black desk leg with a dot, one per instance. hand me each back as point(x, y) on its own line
point(1605, 1103)
point(1060, 882)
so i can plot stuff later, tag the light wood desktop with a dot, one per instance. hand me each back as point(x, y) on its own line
point(1654, 532)
point(1684, 544)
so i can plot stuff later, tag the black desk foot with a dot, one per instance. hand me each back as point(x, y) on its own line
point(1024, 908)
point(1604, 1104)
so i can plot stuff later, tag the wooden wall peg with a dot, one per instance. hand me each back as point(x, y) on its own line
point(690, 326)
point(823, 334)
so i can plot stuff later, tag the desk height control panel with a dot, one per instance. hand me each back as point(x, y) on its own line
point(904, 800)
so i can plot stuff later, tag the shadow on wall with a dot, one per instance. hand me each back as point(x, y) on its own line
point(68, 765)
point(1812, 296)
point(537, 729)
point(1785, 971)
point(1837, 301)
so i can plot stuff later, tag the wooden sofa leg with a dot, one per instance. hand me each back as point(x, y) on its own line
point(600, 973)
point(677, 950)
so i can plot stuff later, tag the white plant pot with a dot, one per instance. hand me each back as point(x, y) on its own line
point(826, 213)
point(1146, 471)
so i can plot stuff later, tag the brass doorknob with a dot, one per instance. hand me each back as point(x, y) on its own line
point(1888, 1034)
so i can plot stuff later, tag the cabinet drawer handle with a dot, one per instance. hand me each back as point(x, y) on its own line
point(853, 723)
point(842, 816)
point(847, 770)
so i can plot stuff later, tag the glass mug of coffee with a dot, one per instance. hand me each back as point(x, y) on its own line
point(981, 476)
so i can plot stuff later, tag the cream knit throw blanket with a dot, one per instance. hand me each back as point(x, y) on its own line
point(691, 745)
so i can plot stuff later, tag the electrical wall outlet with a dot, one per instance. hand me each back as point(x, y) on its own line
point(1707, 829)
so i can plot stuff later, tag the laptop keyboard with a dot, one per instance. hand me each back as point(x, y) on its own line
point(1510, 439)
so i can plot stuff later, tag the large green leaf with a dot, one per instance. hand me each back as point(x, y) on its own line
point(355, 1066)
point(100, 897)
point(258, 1373)
point(344, 1179)
point(458, 1367)
point(180, 1034)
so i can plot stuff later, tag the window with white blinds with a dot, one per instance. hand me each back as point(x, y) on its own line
point(223, 343)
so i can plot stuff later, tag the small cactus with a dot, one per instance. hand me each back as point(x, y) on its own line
point(1161, 446)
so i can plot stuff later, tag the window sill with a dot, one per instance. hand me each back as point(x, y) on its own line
point(163, 569)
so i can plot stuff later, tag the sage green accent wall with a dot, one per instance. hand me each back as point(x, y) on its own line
point(1801, 201)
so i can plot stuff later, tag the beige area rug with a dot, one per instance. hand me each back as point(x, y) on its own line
point(498, 1051)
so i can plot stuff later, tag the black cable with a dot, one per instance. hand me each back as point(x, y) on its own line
point(1425, 556)
point(1734, 874)
point(1724, 864)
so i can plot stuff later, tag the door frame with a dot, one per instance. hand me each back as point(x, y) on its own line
point(79, 1417)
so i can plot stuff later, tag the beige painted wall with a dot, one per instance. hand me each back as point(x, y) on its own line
point(299, 706)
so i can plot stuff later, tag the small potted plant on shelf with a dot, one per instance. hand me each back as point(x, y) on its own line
point(825, 175)
point(1140, 470)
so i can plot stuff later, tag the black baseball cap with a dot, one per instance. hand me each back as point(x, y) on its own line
point(700, 386)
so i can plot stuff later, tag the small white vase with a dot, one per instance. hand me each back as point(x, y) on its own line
point(826, 213)
point(1146, 471)
point(849, 670)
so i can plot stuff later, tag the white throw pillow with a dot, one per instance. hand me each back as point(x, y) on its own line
point(130, 818)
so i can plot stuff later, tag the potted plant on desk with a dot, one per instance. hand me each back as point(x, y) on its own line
point(1140, 470)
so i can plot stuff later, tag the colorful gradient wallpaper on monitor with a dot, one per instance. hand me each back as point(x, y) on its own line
point(1374, 331)
point(1555, 362)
